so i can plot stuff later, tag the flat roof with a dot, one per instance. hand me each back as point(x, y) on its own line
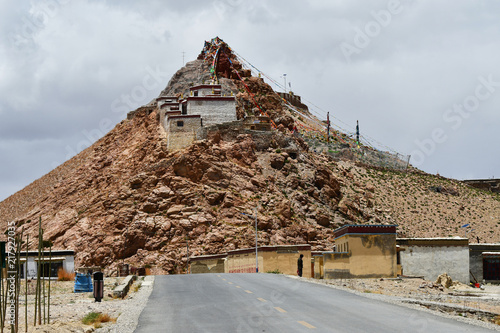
point(209, 86)
point(166, 97)
point(433, 238)
point(47, 253)
point(491, 253)
point(184, 116)
point(438, 241)
point(299, 247)
point(211, 98)
point(365, 229)
point(208, 256)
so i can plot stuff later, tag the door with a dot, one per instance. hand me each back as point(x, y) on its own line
point(491, 268)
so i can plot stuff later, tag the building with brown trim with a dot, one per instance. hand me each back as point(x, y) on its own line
point(362, 251)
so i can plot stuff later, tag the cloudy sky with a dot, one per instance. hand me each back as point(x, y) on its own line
point(422, 77)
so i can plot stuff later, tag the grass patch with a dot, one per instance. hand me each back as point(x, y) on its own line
point(276, 271)
point(137, 286)
point(90, 318)
point(97, 319)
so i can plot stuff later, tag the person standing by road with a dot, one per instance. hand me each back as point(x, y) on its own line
point(300, 265)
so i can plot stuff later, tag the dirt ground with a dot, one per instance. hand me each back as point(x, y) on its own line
point(67, 308)
point(459, 299)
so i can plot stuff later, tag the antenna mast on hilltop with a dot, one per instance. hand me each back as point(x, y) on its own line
point(183, 54)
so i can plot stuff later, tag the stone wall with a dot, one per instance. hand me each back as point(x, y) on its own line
point(431, 257)
point(179, 136)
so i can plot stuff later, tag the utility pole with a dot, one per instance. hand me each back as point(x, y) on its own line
point(357, 132)
point(183, 54)
point(328, 127)
point(187, 255)
point(256, 251)
point(284, 77)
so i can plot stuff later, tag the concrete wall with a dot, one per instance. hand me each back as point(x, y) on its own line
point(283, 259)
point(271, 258)
point(372, 256)
point(318, 266)
point(432, 257)
point(336, 265)
point(213, 110)
point(362, 256)
point(286, 262)
point(242, 263)
point(476, 258)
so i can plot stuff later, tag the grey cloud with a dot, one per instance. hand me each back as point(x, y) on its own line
point(67, 76)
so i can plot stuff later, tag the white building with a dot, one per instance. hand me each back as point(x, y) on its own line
point(431, 257)
point(64, 259)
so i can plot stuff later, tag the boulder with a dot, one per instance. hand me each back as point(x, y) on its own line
point(444, 280)
point(277, 161)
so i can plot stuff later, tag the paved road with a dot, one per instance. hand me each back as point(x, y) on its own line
point(274, 303)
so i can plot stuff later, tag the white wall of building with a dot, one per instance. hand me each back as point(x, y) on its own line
point(214, 111)
point(68, 264)
point(432, 261)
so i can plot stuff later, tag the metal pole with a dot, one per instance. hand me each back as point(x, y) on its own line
point(328, 127)
point(256, 251)
point(187, 255)
point(284, 77)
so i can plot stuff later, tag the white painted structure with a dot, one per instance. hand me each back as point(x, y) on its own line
point(64, 259)
point(431, 257)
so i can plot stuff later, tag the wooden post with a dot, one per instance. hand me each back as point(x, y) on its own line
point(50, 265)
point(26, 282)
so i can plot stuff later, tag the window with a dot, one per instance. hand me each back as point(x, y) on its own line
point(196, 92)
point(50, 269)
point(180, 123)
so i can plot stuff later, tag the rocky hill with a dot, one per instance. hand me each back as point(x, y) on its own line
point(127, 198)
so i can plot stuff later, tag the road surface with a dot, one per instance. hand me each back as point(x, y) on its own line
point(274, 303)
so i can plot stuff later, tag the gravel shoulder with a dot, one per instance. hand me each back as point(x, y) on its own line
point(67, 308)
point(460, 302)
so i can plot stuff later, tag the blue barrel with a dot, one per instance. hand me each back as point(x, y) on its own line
point(83, 283)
